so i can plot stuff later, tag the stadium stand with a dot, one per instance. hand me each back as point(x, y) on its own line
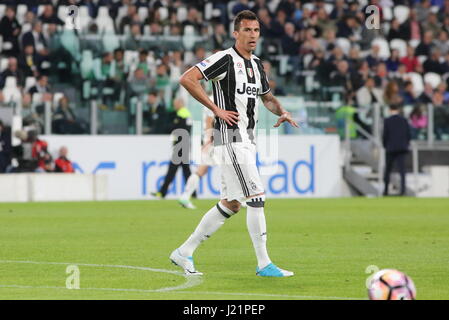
point(320, 52)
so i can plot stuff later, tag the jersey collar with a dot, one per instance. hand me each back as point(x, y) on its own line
point(235, 49)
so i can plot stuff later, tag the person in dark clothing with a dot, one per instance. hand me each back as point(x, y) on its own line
point(156, 116)
point(64, 119)
point(5, 147)
point(181, 149)
point(12, 71)
point(49, 16)
point(28, 62)
point(10, 31)
point(396, 139)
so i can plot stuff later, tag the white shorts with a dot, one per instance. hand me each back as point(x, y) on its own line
point(240, 178)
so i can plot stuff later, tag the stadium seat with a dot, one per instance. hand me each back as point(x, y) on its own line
point(416, 79)
point(110, 42)
point(181, 14)
point(143, 13)
point(329, 7)
point(384, 51)
point(104, 21)
point(3, 64)
point(401, 13)
point(163, 12)
point(231, 5)
point(272, 6)
point(387, 13)
point(434, 9)
point(10, 92)
point(400, 45)
point(29, 83)
point(11, 82)
point(20, 13)
point(188, 41)
point(71, 42)
point(2, 10)
point(414, 43)
point(344, 44)
point(208, 11)
point(36, 98)
point(56, 97)
point(84, 18)
point(62, 12)
point(25, 28)
point(40, 9)
point(433, 79)
point(309, 6)
point(130, 57)
point(422, 58)
point(86, 64)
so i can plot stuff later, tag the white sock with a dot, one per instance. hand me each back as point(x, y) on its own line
point(255, 220)
point(210, 223)
point(191, 185)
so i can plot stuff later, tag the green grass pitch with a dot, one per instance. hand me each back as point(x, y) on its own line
point(121, 249)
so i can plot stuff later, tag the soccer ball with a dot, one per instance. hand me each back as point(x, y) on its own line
point(390, 284)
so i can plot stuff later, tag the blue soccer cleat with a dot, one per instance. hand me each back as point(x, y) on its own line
point(272, 270)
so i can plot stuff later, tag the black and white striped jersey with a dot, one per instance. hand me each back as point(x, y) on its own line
point(237, 84)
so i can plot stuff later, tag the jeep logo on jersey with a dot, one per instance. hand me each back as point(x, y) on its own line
point(251, 91)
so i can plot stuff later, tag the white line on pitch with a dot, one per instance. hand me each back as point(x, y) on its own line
point(191, 281)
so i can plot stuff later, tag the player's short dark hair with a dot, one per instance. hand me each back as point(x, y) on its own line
point(244, 15)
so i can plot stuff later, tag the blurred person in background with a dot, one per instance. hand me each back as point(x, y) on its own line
point(408, 94)
point(62, 163)
point(425, 46)
point(410, 61)
point(10, 31)
point(418, 121)
point(36, 39)
point(220, 36)
point(427, 95)
point(411, 28)
point(366, 97)
point(64, 120)
point(433, 64)
point(39, 152)
point(155, 117)
point(29, 61)
point(105, 74)
point(181, 152)
point(12, 71)
point(49, 16)
point(31, 155)
point(43, 89)
point(440, 116)
point(5, 147)
point(132, 40)
point(396, 140)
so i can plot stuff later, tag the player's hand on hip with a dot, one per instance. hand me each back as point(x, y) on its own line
point(286, 117)
point(231, 117)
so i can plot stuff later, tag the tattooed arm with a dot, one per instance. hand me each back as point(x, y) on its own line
point(271, 103)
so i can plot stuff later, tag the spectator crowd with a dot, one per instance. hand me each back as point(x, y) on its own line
point(403, 62)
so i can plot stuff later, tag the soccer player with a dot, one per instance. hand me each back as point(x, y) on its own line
point(206, 161)
point(238, 80)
